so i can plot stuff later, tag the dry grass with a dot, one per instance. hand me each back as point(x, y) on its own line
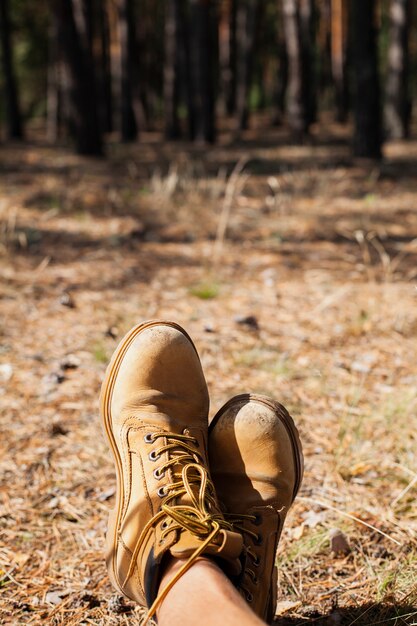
point(322, 252)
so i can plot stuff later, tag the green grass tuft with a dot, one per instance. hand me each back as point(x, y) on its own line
point(205, 290)
point(99, 352)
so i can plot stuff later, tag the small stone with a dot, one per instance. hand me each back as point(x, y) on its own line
point(91, 600)
point(338, 542)
point(106, 495)
point(67, 300)
point(365, 363)
point(313, 519)
point(57, 429)
point(360, 367)
point(70, 362)
point(247, 320)
point(117, 605)
point(284, 606)
point(54, 378)
point(112, 332)
point(55, 597)
point(6, 372)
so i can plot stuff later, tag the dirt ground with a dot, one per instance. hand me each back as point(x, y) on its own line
point(294, 270)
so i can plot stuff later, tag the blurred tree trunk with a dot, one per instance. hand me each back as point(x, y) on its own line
point(129, 127)
point(282, 77)
point(232, 58)
point(227, 54)
point(77, 59)
point(246, 25)
point(397, 103)
point(171, 69)
point(324, 37)
point(339, 54)
point(149, 61)
point(92, 21)
point(367, 134)
point(54, 93)
point(185, 86)
point(202, 24)
point(105, 89)
point(83, 15)
point(13, 115)
point(308, 37)
point(296, 91)
point(224, 54)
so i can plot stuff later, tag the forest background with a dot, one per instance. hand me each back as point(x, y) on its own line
point(248, 169)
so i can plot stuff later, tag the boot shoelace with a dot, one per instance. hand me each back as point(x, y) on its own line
point(238, 523)
point(191, 480)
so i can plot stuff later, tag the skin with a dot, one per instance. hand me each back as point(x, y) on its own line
point(203, 595)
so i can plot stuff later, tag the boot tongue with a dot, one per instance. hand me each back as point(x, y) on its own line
point(227, 546)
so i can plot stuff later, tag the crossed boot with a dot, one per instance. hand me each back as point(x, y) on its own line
point(185, 490)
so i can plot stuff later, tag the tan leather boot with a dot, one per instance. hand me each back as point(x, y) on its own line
point(154, 406)
point(256, 462)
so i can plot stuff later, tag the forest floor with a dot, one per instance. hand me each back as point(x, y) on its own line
point(294, 269)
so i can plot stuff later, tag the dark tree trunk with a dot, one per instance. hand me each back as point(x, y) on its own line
point(231, 94)
point(367, 134)
point(308, 32)
point(53, 84)
point(324, 75)
point(171, 69)
point(83, 15)
point(91, 20)
point(246, 25)
point(339, 57)
point(282, 77)
point(227, 54)
point(296, 92)
point(129, 127)
point(397, 102)
point(84, 119)
point(13, 115)
point(186, 87)
point(104, 89)
point(149, 62)
point(65, 97)
point(224, 52)
point(202, 23)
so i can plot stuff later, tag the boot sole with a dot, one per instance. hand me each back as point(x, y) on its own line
point(106, 420)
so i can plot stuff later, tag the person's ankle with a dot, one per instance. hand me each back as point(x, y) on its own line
point(172, 566)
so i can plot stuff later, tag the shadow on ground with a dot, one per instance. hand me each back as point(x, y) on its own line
point(363, 615)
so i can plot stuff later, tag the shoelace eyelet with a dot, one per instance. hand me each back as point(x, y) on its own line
point(258, 540)
point(158, 473)
point(258, 519)
point(251, 574)
point(256, 562)
point(153, 455)
point(249, 597)
point(161, 492)
point(149, 438)
point(164, 524)
point(186, 431)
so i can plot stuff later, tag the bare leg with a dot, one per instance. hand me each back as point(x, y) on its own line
point(203, 596)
